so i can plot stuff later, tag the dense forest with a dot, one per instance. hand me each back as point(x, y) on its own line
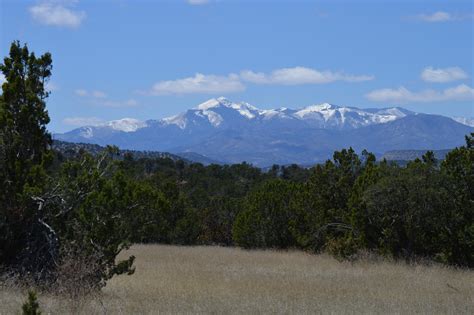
point(57, 206)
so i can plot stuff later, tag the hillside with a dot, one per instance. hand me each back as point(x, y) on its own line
point(69, 149)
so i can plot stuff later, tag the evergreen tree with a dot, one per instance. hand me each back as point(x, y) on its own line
point(24, 154)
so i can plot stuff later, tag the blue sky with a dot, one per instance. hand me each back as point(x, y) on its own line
point(151, 59)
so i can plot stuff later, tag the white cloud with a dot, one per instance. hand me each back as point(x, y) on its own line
point(2, 78)
point(98, 94)
point(439, 16)
point(198, 2)
point(254, 77)
point(57, 13)
point(200, 83)
point(100, 98)
point(461, 92)
point(442, 16)
point(94, 94)
point(82, 121)
point(212, 84)
point(127, 103)
point(440, 75)
point(300, 75)
point(81, 92)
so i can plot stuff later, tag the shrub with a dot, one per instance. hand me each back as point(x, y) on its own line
point(265, 220)
point(31, 306)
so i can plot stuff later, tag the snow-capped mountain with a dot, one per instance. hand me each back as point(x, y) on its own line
point(217, 113)
point(233, 132)
point(222, 113)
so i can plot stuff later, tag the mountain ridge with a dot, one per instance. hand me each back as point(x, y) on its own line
point(70, 149)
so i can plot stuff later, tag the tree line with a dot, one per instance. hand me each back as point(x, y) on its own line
point(61, 206)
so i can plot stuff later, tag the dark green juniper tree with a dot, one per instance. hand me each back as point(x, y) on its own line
point(94, 208)
point(24, 154)
point(80, 212)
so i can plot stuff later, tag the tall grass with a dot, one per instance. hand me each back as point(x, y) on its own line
point(171, 279)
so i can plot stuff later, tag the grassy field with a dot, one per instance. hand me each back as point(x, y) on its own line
point(171, 279)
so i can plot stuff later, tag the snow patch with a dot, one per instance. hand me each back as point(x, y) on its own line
point(325, 110)
point(465, 121)
point(214, 118)
point(178, 120)
point(126, 124)
point(86, 132)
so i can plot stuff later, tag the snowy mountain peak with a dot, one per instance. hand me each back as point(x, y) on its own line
point(214, 102)
point(321, 107)
point(210, 109)
point(126, 124)
point(223, 102)
point(325, 110)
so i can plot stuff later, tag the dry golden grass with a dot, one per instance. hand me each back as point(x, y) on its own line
point(171, 279)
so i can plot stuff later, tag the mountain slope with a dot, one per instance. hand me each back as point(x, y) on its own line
point(420, 131)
